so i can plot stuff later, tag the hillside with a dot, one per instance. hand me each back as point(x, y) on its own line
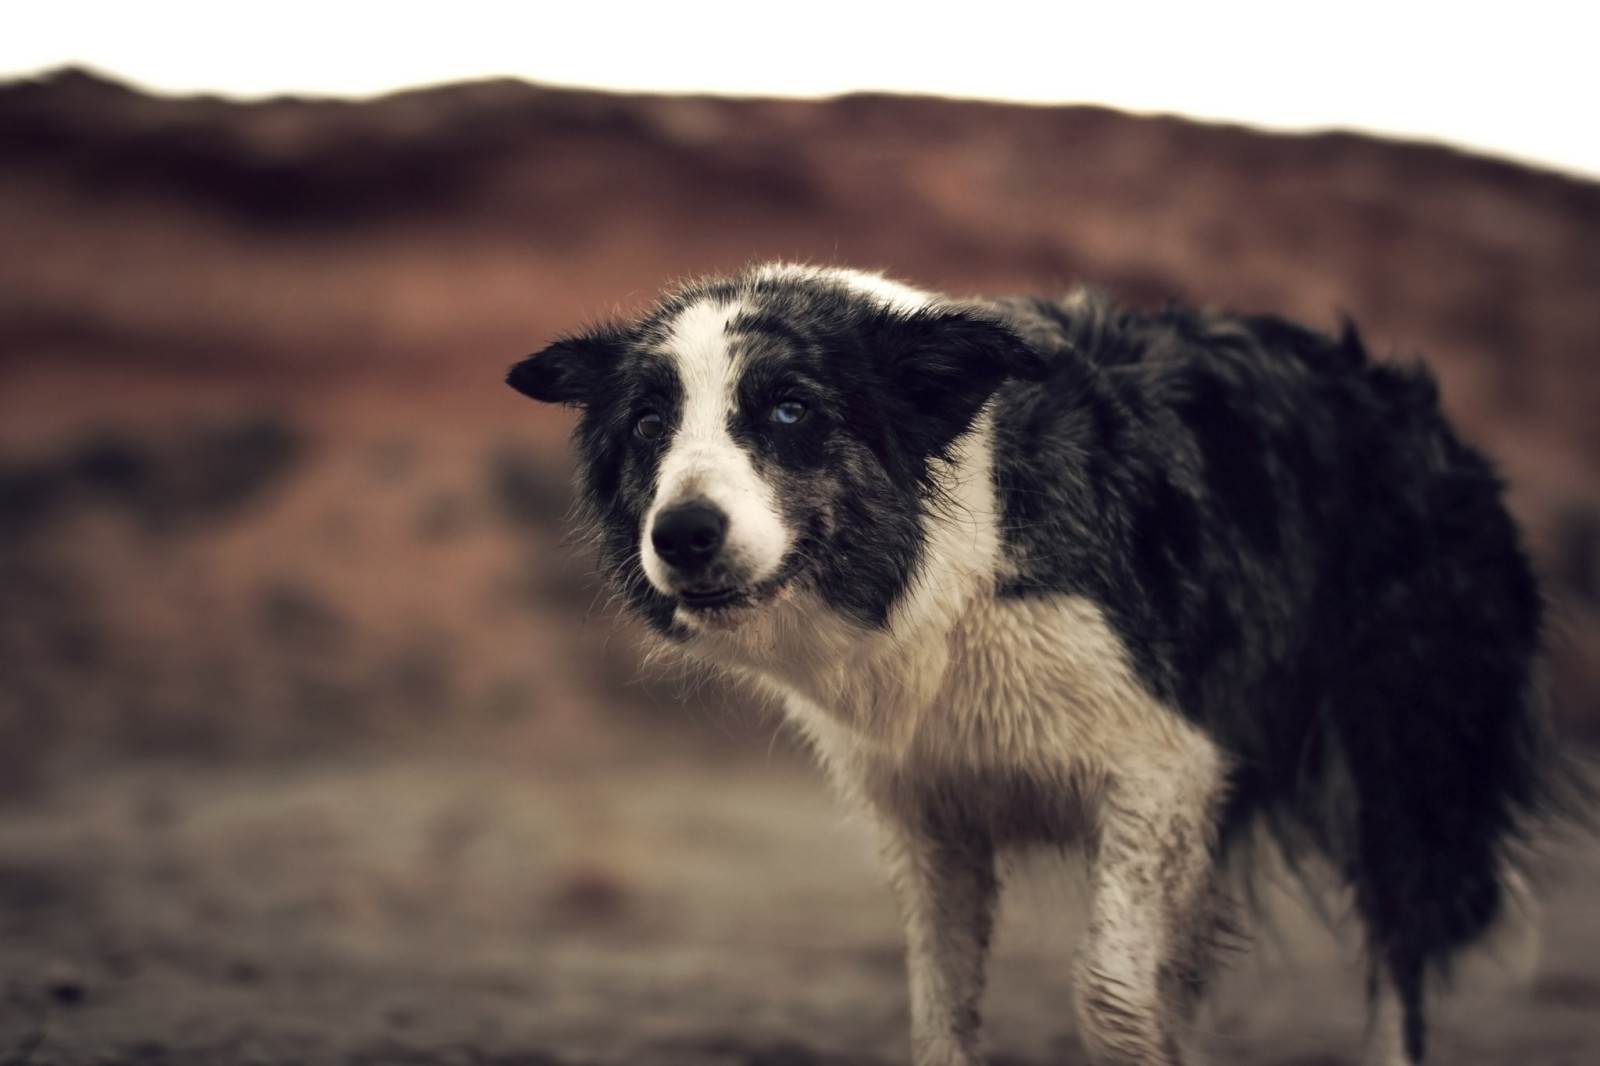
point(261, 489)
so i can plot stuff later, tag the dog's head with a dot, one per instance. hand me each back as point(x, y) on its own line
point(776, 430)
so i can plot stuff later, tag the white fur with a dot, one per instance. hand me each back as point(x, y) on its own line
point(1384, 1043)
point(896, 295)
point(885, 291)
point(702, 461)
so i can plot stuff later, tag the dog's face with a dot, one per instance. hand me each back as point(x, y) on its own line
point(772, 432)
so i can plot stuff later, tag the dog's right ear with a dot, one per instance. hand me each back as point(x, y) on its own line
point(568, 371)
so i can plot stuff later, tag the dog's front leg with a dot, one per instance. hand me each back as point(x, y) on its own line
point(944, 878)
point(1153, 923)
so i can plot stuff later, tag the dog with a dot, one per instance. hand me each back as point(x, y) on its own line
point(1033, 572)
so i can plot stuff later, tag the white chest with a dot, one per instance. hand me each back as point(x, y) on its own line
point(1032, 694)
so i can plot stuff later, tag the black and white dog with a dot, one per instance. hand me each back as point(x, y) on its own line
point(1030, 572)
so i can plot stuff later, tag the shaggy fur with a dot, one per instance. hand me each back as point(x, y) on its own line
point(1032, 572)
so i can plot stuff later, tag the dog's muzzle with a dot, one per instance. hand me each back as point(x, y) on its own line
point(689, 538)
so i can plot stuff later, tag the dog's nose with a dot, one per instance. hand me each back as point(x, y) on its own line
point(688, 537)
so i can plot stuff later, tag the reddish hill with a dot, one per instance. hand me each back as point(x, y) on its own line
point(260, 487)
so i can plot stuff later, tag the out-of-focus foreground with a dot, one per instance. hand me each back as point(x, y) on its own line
point(295, 666)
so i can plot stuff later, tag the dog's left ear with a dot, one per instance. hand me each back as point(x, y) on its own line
point(568, 371)
point(942, 367)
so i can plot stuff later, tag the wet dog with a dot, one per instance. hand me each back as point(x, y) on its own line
point(1032, 572)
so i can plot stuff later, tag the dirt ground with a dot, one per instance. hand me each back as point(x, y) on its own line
point(682, 910)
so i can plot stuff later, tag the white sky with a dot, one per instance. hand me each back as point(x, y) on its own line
point(1516, 78)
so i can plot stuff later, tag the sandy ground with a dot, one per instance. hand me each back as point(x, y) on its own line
point(682, 911)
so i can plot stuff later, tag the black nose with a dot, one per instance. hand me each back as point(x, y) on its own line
point(688, 537)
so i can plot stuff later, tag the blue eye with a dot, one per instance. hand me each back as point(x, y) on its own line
point(788, 412)
point(650, 426)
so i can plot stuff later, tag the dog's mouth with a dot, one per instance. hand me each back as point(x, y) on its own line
point(711, 599)
point(709, 602)
point(718, 603)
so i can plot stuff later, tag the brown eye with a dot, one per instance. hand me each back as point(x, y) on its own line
point(650, 426)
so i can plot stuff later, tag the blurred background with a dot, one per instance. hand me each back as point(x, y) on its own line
point(318, 743)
